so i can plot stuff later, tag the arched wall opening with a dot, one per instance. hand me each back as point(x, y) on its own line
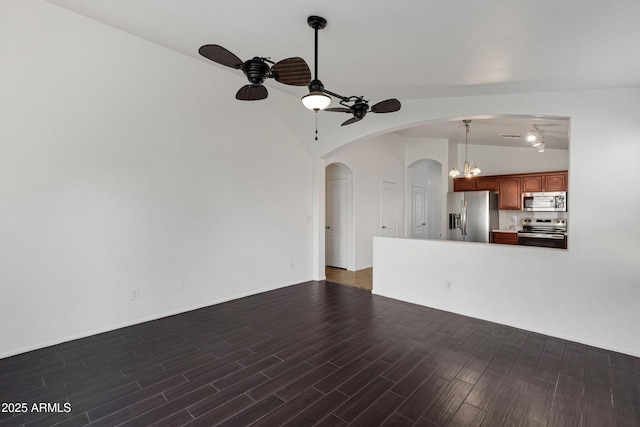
point(424, 199)
point(388, 156)
point(339, 220)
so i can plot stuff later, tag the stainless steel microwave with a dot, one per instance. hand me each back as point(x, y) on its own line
point(545, 202)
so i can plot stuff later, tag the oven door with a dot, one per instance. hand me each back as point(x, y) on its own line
point(558, 241)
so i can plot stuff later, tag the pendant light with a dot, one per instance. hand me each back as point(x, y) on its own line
point(317, 99)
point(470, 168)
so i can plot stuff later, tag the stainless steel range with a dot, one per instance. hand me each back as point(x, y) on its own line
point(548, 233)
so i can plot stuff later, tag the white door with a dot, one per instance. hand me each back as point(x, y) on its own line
point(336, 223)
point(388, 208)
point(418, 212)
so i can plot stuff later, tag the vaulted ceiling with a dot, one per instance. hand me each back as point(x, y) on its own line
point(408, 50)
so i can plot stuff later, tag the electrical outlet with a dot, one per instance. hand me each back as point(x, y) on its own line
point(291, 265)
point(179, 285)
point(135, 294)
point(448, 284)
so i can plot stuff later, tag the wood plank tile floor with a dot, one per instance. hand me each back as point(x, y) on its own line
point(322, 354)
point(360, 278)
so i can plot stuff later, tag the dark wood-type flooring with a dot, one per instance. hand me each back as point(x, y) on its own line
point(322, 354)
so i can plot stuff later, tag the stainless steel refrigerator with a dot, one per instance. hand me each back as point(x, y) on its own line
point(472, 215)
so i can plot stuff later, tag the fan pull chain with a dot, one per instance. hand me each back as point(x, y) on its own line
point(316, 125)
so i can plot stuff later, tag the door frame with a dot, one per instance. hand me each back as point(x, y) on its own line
point(350, 232)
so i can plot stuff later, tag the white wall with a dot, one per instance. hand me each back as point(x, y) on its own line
point(588, 293)
point(371, 161)
point(495, 160)
point(124, 165)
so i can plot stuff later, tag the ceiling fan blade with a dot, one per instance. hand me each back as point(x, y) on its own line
point(338, 109)
point(220, 55)
point(387, 106)
point(292, 71)
point(351, 120)
point(252, 93)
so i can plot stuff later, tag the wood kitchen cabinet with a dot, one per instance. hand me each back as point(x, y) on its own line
point(532, 183)
point(476, 184)
point(509, 190)
point(487, 183)
point(464, 184)
point(505, 238)
point(511, 187)
point(551, 181)
point(556, 181)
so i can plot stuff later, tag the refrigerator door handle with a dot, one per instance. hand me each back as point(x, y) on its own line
point(463, 211)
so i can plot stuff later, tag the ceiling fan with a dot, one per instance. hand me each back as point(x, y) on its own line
point(291, 71)
point(360, 107)
point(317, 98)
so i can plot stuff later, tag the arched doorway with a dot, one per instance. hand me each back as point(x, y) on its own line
point(338, 216)
point(425, 198)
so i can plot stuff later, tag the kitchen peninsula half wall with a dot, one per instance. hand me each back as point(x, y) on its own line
point(494, 283)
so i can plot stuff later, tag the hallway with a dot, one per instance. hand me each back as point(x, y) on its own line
point(362, 279)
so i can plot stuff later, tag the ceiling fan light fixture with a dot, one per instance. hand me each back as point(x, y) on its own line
point(531, 137)
point(316, 99)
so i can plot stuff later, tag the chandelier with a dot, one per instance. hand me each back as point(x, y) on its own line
point(469, 169)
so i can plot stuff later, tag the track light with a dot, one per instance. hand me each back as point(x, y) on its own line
point(536, 138)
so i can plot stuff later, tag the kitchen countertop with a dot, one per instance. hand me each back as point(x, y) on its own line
point(504, 231)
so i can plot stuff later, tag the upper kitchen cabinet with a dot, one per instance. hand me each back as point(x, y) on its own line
point(550, 181)
point(556, 181)
point(487, 183)
point(476, 184)
point(464, 184)
point(509, 189)
point(532, 183)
